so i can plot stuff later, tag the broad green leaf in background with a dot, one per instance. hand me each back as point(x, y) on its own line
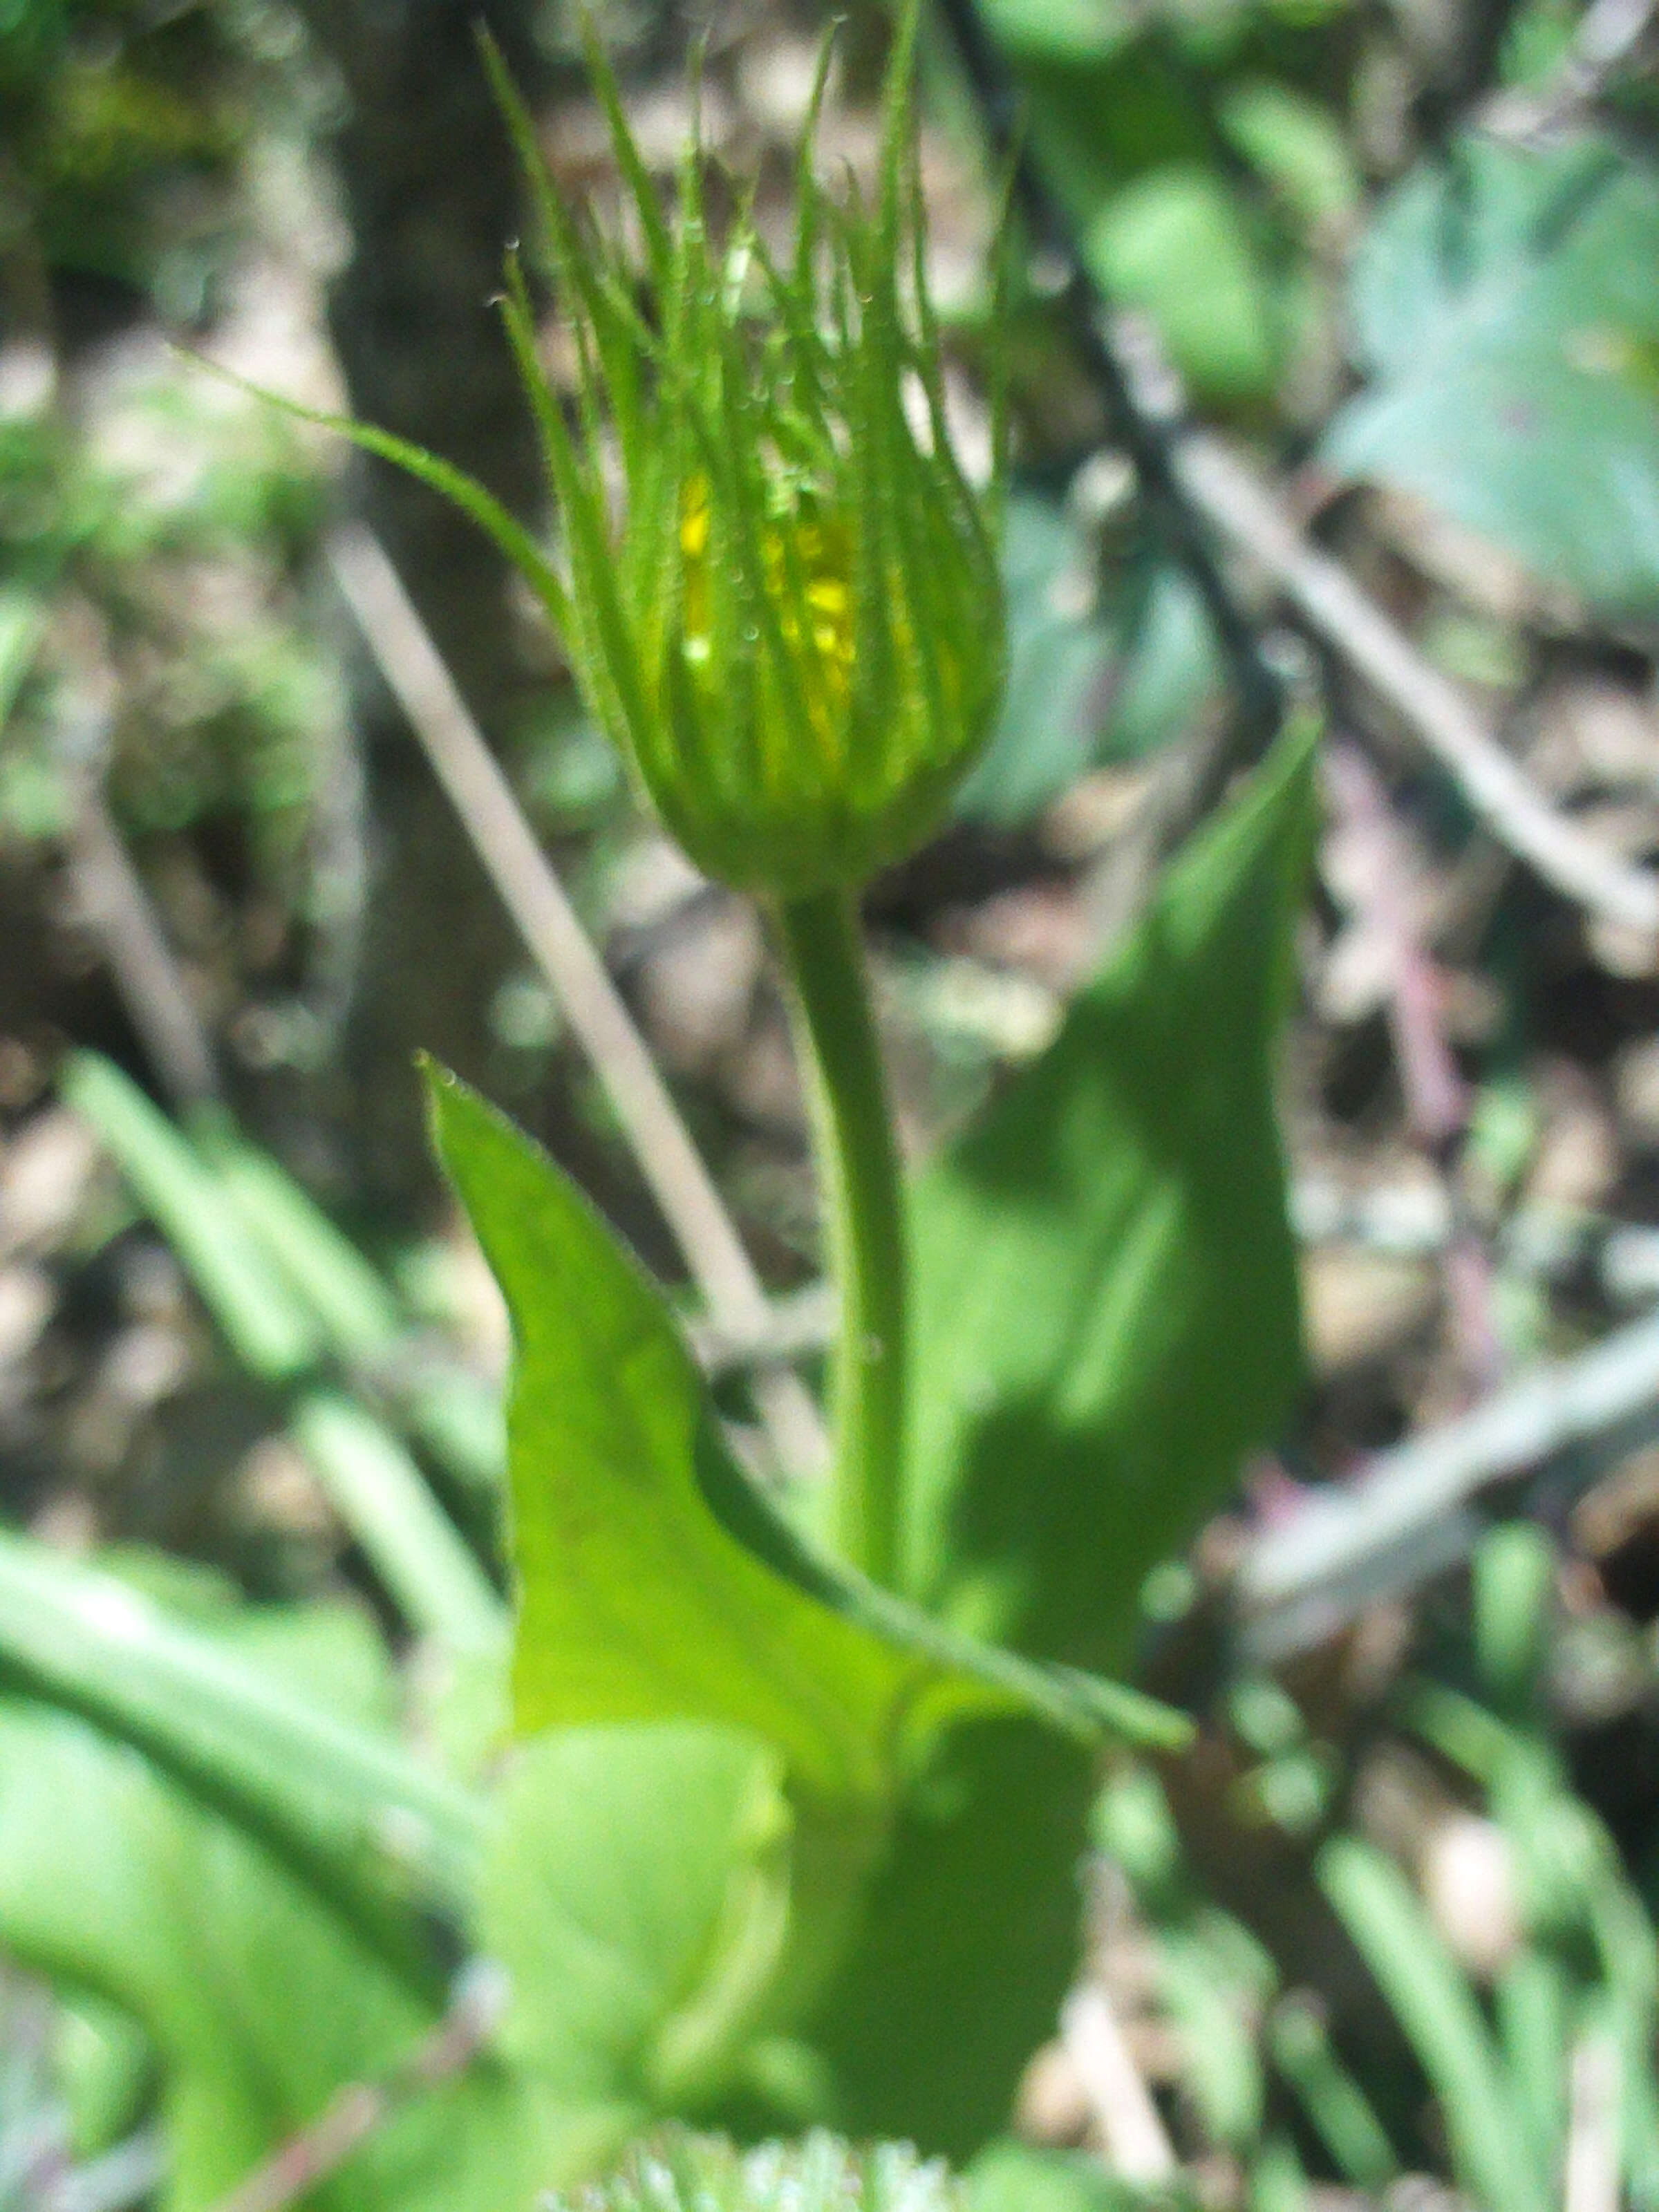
point(1194, 182)
point(1129, 148)
point(1086, 683)
point(1504, 303)
point(260, 2001)
point(1172, 670)
point(654, 1582)
point(1176, 243)
point(1107, 1314)
point(1060, 657)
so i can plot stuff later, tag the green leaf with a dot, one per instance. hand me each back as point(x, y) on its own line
point(1213, 1978)
point(104, 2067)
point(1065, 32)
point(654, 1582)
point(382, 1497)
point(1298, 146)
point(636, 1890)
point(22, 627)
point(969, 1943)
point(454, 1414)
point(1084, 1388)
point(1060, 660)
point(1278, 2183)
point(1504, 304)
point(1174, 243)
point(264, 1322)
point(634, 1603)
point(1085, 684)
point(1213, 1997)
point(1172, 672)
point(1336, 2106)
point(1107, 1314)
point(347, 1300)
point(261, 2003)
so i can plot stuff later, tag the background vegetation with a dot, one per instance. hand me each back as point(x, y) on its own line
point(1271, 1037)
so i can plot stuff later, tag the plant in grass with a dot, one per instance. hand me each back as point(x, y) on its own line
point(792, 1824)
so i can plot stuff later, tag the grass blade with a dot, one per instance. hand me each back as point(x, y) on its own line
point(1437, 2010)
point(369, 1478)
point(1338, 2110)
point(382, 1497)
point(266, 1324)
point(351, 1812)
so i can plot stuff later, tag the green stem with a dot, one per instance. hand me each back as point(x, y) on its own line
point(858, 1162)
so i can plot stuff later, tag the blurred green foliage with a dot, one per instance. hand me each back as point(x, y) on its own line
point(124, 128)
point(151, 544)
point(742, 1870)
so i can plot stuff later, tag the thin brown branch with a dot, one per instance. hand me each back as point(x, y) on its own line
point(1411, 1513)
point(1379, 865)
point(553, 933)
point(1227, 492)
point(798, 1324)
point(116, 908)
point(1380, 862)
point(361, 2109)
point(1132, 2132)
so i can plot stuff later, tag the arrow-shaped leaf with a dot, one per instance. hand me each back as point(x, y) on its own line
point(655, 1583)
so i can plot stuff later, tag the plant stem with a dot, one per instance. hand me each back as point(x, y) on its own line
point(859, 1164)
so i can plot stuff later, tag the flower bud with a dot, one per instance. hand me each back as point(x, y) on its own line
point(779, 590)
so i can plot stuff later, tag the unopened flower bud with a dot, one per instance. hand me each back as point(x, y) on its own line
point(779, 591)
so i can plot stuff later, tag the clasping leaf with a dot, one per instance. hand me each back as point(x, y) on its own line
point(654, 1582)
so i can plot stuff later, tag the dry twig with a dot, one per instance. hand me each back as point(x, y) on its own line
point(1436, 1098)
point(1413, 1511)
point(553, 933)
point(798, 1322)
point(1132, 2131)
point(116, 908)
point(1225, 490)
point(362, 2108)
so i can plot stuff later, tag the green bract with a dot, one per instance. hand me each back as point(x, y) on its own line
point(779, 590)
